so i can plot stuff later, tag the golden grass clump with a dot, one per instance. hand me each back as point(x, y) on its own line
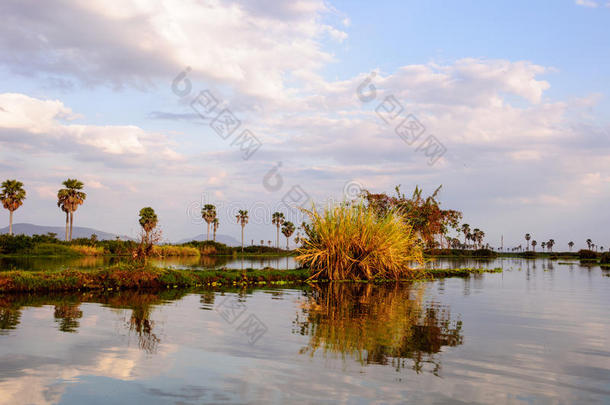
point(87, 250)
point(169, 250)
point(351, 242)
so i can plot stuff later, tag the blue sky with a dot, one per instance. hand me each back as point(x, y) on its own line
point(516, 92)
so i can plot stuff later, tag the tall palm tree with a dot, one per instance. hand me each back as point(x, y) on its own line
point(550, 244)
point(277, 220)
point(589, 243)
point(288, 230)
point(69, 198)
point(242, 219)
point(215, 225)
point(208, 213)
point(543, 244)
point(527, 238)
point(570, 245)
point(465, 230)
point(148, 221)
point(534, 243)
point(12, 197)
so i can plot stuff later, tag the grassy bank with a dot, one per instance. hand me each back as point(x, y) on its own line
point(125, 278)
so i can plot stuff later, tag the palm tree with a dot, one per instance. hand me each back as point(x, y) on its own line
point(478, 236)
point(534, 243)
point(570, 245)
point(527, 238)
point(12, 197)
point(242, 219)
point(262, 242)
point(465, 230)
point(550, 244)
point(215, 225)
point(69, 198)
point(589, 243)
point(278, 220)
point(543, 244)
point(288, 230)
point(208, 213)
point(148, 221)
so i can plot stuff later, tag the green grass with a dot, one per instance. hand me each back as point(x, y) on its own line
point(126, 277)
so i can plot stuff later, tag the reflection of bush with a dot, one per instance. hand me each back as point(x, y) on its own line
point(9, 319)
point(67, 315)
point(376, 325)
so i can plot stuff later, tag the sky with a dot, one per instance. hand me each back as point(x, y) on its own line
point(266, 105)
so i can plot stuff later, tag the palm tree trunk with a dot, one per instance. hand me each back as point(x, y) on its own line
point(277, 240)
point(67, 225)
point(71, 222)
point(10, 223)
point(208, 234)
point(287, 243)
point(242, 238)
point(214, 234)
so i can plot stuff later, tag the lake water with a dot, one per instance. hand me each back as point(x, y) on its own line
point(193, 263)
point(536, 333)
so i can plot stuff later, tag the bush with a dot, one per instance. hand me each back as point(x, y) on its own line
point(483, 253)
point(605, 258)
point(12, 244)
point(353, 242)
point(171, 250)
point(587, 254)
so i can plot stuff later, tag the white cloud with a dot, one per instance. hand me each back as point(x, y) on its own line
point(587, 3)
point(38, 125)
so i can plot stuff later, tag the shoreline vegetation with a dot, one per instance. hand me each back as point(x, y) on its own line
point(128, 277)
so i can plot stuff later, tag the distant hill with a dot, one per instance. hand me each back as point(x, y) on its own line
point(77, 231)
point(226, 239)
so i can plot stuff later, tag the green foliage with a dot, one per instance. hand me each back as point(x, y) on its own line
point(605, 258)
point(587, 254)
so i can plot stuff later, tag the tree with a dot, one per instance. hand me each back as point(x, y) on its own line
point(148, 221)
point(589, 243)
point(69, 198)
point(288, 230)
point(570, 245)
point(208, 213)
point(550, 244)
point(215, 225)
point(543, 244)
point(12, 197)
point(242, 219)
point(277, 220)
point(534, 243)
point(527, 238)
point(465, 230)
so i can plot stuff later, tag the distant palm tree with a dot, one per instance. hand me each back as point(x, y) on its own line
point(527, 238)
point(288, 230)
point(277, 220)
point(478, 236)
point(215, 225)
point(589, 243)
point(543, 244)
point(570, 245)
point(208, 213)
point(12, 197)
point(69, 198)
point(550, 244)
point(269, 243)
point(534, 243)
point(465, 230)
point(242, 219)
point(262, 242)
point(148, 221)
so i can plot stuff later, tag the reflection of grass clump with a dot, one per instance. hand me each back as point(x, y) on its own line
point(353, 242)
point(376, 324)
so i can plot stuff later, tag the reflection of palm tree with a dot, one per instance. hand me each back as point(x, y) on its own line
point(376, 324)
point(67, 315)
point(141, 323)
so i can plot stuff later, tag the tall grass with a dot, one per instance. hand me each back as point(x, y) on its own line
point(349, 242)
point(171, 250)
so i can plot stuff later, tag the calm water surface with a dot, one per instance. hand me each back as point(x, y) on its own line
point(193, 263)
point(537, 333)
